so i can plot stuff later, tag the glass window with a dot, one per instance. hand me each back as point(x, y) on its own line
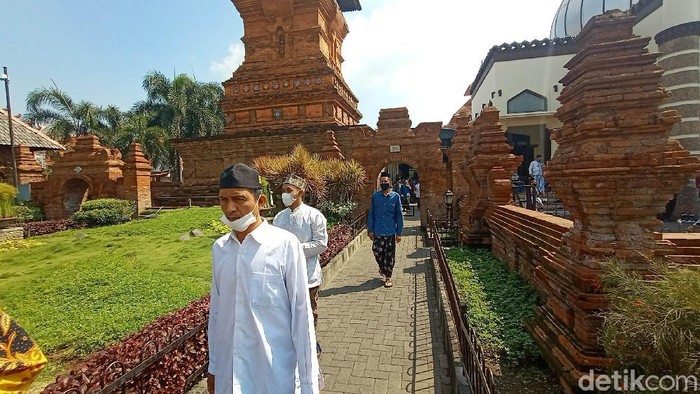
point(527, 101)
point(591, 8)
point(623, 5)
point(573, 18)
point(559, 22)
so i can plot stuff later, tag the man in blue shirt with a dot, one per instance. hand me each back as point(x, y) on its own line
point(384, 226)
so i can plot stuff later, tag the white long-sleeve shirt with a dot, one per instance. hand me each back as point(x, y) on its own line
point(261, 331)
point(535, 168)
point(309, 225)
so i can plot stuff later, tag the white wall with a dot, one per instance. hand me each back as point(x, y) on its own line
point(671, 13)
point(512, 77)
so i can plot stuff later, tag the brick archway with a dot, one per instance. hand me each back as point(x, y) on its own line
point(74, 193)
point(392, 159)
point(89, 171)
point(396, 141)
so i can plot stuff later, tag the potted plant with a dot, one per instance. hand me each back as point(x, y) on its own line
point(8, 194)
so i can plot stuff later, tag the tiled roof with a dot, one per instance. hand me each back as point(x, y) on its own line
point(349, 5)
point(25, 134)
point(523, 50)
point(546, 47)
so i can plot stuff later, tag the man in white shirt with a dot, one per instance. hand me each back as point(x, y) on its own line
point(416, 191)
point(309, 225)
point(261, 334)
point(536, 173)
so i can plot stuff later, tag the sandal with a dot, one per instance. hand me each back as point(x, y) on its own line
point(388, 283)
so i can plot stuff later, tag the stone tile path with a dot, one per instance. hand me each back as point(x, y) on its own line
point(378, 340)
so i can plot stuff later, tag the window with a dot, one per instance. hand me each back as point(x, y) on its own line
point(573, 18)
point(527, 101)
point(590, 9)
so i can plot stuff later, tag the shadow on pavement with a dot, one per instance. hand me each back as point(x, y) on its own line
point(369, 284)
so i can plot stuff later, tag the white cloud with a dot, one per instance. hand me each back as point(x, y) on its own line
point(408, 53)
point(224, 68)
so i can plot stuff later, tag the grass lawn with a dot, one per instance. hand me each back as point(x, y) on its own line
point(77, 291)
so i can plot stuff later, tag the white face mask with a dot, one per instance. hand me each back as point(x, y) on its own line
point(288, 199)
point(241, 224)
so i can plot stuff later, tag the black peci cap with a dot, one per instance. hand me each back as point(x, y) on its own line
point(240, 175)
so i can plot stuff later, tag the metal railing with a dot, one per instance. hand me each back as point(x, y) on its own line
point(480, 376)
point(144, 377)
point(359, 223)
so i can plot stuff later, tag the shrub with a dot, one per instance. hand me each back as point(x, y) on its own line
point(338, 237)
point(28, 211)
point(165, 376)
point(104, 212)
point(336, 213)
point(34, 229)
point(653, 325)
point(8, 193)
point(327, 179)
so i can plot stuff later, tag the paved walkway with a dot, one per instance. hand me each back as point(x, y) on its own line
point(378, 340)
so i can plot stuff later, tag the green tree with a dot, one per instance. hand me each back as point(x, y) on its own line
point(184, 107)
point(154, 141)
point(64, 116)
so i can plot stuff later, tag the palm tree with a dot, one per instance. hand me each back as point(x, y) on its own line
point(153, 139)
point(185, 107)
point(64, 117)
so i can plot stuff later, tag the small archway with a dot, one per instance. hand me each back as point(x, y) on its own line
point(402, 172)
point(75, 192)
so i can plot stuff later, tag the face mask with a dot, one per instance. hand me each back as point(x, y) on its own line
point(288, 199)
point(385, 186)
point(241, 224)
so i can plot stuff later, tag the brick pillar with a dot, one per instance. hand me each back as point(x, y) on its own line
point(137, 178)
point(488, 160)
point(331, 150)
point(614, 170)
point(28, 168)
point(680, 57)
point(456, 154)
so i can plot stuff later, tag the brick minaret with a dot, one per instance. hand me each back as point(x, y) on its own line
point(292, 69)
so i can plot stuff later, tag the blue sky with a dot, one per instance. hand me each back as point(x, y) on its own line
point(411, 53)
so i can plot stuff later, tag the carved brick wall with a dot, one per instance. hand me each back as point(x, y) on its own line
point(89, 171)
point(419, 148)
point(486, 167)
point(614, 170)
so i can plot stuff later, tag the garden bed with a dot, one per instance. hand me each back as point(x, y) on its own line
point(497, 302)
point(79, 291)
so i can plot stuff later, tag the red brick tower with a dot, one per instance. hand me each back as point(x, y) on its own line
point(292, 69)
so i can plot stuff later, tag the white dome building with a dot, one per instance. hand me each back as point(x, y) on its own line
point(521, 79)
point(572, 15)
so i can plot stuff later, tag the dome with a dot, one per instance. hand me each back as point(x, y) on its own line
point(572, 15)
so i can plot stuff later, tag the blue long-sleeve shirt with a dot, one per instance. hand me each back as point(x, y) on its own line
point(385, 217)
